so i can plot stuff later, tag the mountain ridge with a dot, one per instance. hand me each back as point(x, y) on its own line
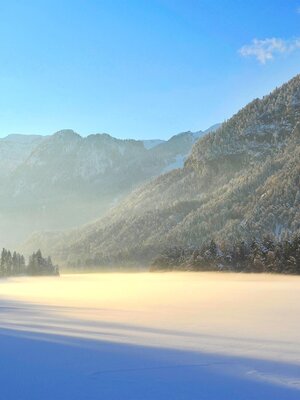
point(63, 180)
point(234, 185)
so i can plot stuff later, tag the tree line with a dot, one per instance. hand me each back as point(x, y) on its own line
point(13, 264)
point(266, 255)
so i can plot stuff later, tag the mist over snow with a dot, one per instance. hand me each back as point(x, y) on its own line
point(176, 335)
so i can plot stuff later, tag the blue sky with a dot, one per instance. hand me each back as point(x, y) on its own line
point(140, 68)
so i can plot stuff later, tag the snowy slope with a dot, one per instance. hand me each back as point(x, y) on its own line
point(150, 337)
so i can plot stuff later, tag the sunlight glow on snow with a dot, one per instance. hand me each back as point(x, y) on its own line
point(253, 315)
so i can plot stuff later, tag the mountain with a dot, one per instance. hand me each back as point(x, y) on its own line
point(240, 181)
point(65, 180)
point(211, 129)
point(149, 144)
point(14, 149)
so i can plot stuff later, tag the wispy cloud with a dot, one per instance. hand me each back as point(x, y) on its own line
point(266, 49)
point(298, 10)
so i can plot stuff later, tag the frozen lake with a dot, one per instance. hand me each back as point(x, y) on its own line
point(150, 336)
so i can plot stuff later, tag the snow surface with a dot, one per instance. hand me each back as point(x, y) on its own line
point(150, 336)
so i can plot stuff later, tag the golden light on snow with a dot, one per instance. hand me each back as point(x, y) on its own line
point(253, 315)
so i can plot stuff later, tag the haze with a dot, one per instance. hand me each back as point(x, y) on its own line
point(220, 313)
point(222, 334)
point(149, 200)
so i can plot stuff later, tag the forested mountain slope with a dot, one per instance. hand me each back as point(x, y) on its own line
point(65, 180)
point(240, 181)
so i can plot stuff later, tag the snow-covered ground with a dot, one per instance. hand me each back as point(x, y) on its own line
point(150, 336)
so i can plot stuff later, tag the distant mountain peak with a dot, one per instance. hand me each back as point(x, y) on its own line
point(100, 136)
point(67, 133)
